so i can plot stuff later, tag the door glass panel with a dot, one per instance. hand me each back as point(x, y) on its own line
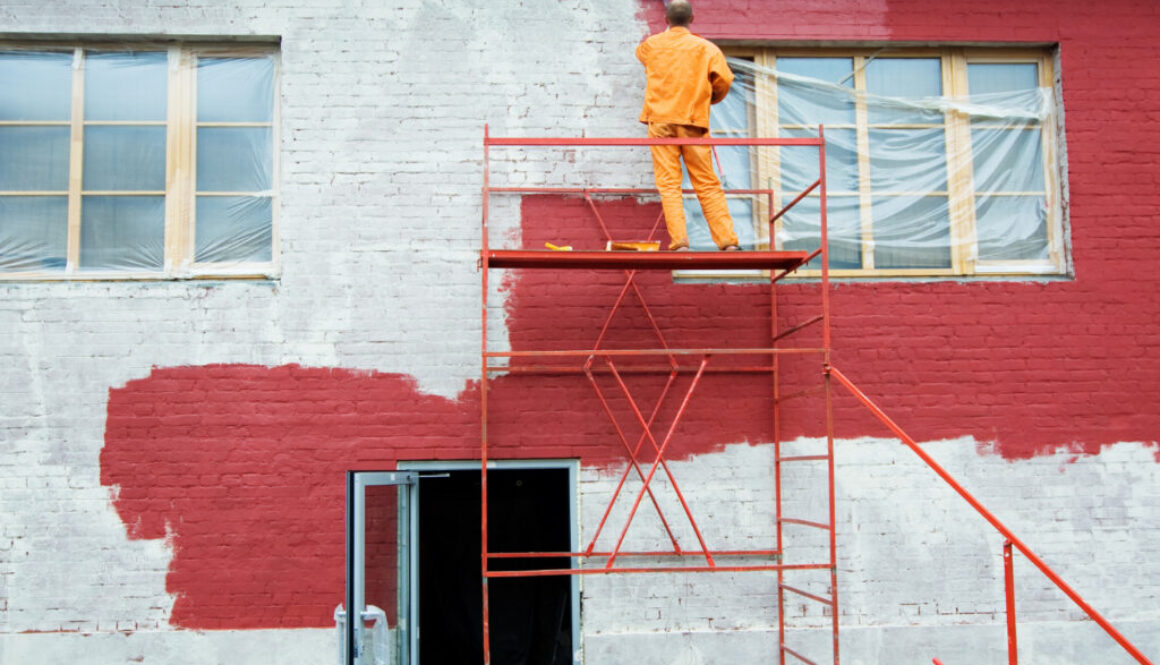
point(378, 572)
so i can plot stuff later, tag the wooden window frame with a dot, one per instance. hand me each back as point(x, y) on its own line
point(180, 161)
point(960, 170)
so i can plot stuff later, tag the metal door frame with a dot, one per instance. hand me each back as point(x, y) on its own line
point(355, 598)
point(422, 468)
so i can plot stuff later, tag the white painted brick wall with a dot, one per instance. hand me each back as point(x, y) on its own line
point(920, 573)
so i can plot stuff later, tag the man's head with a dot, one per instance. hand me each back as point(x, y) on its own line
point(679, 13)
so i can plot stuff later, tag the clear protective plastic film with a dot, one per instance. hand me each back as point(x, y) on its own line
point(123, 177)
point(34, 155)
point(121, 209)
point(235, 160)
point(917, 179)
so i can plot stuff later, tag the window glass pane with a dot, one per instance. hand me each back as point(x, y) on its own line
point(233, 159)
point(910, 79)
point(984, 79)
point(1012, 227)
point(235, 89)
point(33, 233)
point(234, 228)
point(838, 71)
point(124, 158)
point(123, 232)
point(732, 165)
point(799, 165)
point(911, 232)
point(34, 158)
point(904, 77)
point(126, 86)
point(1006, 94)
point(801, 231)
point(908, 160)
point(810, 104)
point(1008, 159)
point(35, 86)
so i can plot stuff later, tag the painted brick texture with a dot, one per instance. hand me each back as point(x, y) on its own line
point(1032, 365)
point(172, 452)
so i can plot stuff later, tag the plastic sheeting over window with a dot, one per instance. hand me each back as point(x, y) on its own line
point(235, 160)
point(921, 179)
point(107, 192)
point(35, 103)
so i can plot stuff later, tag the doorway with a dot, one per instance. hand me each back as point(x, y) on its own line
point(531, 508)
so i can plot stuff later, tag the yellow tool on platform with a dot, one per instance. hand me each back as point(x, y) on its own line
point(634, 246)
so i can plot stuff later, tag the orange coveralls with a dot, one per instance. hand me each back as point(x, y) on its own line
point(685, 75)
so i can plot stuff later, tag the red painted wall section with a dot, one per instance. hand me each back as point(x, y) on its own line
point(1034, 366)
point(242, 468)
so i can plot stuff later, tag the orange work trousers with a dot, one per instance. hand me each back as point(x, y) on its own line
point(699, 162)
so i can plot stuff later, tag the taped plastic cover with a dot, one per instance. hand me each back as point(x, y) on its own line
point(123, 174)
point(915, 179)
point(34, 161)
point(235, 160)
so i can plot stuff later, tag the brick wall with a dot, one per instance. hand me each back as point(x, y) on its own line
point(172, 452)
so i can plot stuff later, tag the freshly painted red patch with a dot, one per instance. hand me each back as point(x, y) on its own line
point(242, 467)
point(1033, 366)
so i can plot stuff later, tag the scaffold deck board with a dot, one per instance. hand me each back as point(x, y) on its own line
point(626, 260)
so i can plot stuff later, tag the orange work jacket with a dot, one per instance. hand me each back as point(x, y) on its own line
point(685, 75)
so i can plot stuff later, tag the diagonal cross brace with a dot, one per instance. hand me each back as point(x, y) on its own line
point(660, 459)
point(634, 462)
point(646, 424)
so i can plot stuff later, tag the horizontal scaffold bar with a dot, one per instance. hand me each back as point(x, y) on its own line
point(629, 369)
point(623, 260)
point(632, 141)
point(662, 553)
point(547, 572)
point(584, 353)
point(613, 191)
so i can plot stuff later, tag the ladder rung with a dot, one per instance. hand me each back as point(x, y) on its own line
point(816, 525)
point(796, 655)
point(820, 599)
point(803, 458)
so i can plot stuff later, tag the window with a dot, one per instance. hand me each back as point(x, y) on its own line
point(938, 162)
point(157, 162)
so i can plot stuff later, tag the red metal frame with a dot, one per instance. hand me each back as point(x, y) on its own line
point(605, 361)
point(1009, 595)
point(999, 526)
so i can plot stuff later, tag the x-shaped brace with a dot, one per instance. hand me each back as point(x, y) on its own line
point(646, 424)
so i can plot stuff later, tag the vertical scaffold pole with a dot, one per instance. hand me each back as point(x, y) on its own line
point(1009, 592)
point(829, 397)
point(483, 264)
point(777, 445)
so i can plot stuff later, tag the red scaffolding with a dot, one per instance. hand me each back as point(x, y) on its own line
point(584, 361)
point(645, 458)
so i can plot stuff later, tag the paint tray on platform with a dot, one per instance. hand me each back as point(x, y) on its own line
point(633, 245)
